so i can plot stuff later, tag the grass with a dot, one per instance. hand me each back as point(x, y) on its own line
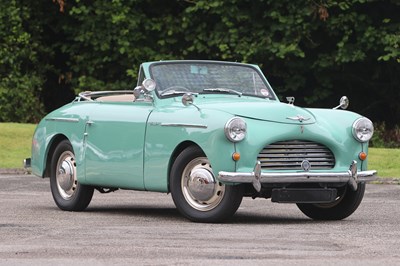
point(15, 145)
point(385, 161)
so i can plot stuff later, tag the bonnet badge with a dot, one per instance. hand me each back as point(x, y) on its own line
point(305, 164)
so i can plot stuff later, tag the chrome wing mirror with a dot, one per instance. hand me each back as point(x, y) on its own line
point(343, 103)
point(188, 99)
point(290, 100)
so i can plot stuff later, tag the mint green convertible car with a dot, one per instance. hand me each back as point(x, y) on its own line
point(209, 133)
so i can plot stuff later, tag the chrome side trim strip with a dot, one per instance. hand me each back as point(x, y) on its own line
point(61, 119)
point(183, 125)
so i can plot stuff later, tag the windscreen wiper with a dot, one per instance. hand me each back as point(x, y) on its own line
point(172, 92)
point(223, 90)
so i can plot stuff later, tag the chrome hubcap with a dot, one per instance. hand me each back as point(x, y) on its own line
point(199, 186)
point(66, 175)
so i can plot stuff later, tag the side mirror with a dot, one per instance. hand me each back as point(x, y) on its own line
point(290, 100)
point(137, 91)
point(343, 103)
point(188, 99)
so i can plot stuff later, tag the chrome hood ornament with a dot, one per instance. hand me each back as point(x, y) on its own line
point(298, 118)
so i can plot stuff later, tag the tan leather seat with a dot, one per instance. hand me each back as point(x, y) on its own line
point(117, 98)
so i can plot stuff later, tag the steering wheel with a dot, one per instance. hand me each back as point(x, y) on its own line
point(175, 88)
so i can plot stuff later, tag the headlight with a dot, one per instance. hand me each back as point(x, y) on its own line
point(149, 84)
point(363, 129)
point(235, 129)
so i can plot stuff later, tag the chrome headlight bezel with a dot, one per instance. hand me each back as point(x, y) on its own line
point(235, 129)
point(363, 129)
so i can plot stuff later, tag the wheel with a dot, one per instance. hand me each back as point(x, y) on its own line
point(195, 191)
point(341, 208)
point(68, 193)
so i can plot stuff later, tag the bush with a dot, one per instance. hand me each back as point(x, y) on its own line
point(18, 101)
point(385, 138)
point(20, 79)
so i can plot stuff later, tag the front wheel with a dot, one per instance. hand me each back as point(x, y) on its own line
point(341, 208)
point(68, 193)
point(196, 192)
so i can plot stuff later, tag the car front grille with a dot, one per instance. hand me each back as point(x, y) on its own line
point(289, 155)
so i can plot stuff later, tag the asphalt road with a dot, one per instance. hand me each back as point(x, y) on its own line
point(143, 228)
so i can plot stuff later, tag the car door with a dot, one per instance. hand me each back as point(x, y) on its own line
point(113, 145)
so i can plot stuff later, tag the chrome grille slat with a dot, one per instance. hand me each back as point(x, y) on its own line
point(294, 162)
point(295, 146)
point(288, 155)
point(294, 151)
point(310, 158)
point(291, 155)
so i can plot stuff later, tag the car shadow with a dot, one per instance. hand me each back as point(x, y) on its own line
point(166, 213)
point(172, 214)
point(248, 218)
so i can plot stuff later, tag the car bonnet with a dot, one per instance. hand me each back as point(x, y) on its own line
point(271, 111)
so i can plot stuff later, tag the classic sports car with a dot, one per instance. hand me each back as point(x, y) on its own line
point(209, 133)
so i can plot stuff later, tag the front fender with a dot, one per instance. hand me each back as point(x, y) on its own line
point(168, 129)
point(49, 132)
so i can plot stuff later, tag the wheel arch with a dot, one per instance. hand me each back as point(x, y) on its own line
point(49, 155)
point(178, 150)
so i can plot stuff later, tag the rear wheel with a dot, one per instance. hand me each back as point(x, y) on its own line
point(68, 193)
point(196, 192)
point(341, 208)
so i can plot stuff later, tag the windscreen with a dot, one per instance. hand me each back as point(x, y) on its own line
point(209, 77)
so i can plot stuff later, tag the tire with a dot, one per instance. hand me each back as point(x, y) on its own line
point(68, 193)
point(197, 194)
point(340, 209)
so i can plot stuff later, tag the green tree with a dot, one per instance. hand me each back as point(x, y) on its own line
point(20, 81)
point(315, 50)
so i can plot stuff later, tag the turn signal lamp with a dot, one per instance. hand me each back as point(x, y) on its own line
point(236, 156)
point(362, 155)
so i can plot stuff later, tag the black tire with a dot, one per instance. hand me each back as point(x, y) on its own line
point(197, 194)
point(68, 193)
point(340, 209)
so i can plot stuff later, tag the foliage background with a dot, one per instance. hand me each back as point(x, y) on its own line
point(315, 50)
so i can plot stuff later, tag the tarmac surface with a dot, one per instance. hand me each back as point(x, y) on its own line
point(144, 228)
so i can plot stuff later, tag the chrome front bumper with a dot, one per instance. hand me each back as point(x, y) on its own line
point(351, 176)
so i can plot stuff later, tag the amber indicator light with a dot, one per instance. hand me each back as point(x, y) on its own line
point(362, 155)
point(236, 156)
